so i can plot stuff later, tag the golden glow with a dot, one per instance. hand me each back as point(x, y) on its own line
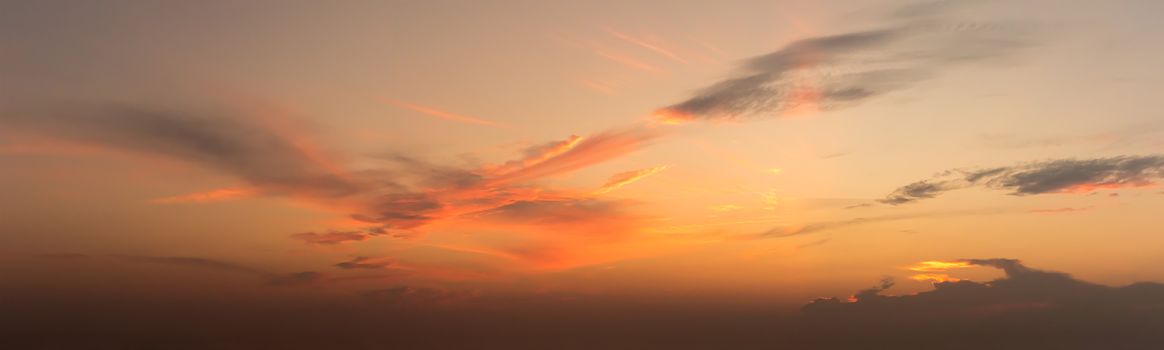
point(668, 116)
point(933, 265)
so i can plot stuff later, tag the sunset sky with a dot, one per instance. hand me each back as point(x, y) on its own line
point(457, 156)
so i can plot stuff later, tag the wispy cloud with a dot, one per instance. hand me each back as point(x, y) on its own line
point(656, 48)
point(274, 279)
point(842, 70)
point(276, 161)
point(780, 232)
point(1054, 176)
point(433, 112)
point(625, 178)
point(1060, 210)
point(627, 60)
point(217, 195)
point(337, 237)
point(365, 263)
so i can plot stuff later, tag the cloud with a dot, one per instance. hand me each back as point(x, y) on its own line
point(1055, 176)
point(780, 232)
point(626, 60)
point(297, 279)
point(337, 237)
point(272, 278)
point(273, 159)
point(408, 295)
point(580, 154)
point(625, 178)
point(64, 256)
point(815, 243)
point(1059, 210)
point(1028, 308)
point(365, 263)
point(646, 45)
point(439, 113)
point(218, 195)
point(195, 262)
point(842, 70)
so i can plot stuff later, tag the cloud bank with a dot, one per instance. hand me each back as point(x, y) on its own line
point(1026, 309)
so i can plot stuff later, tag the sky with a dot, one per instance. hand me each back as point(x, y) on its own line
point(630, 174)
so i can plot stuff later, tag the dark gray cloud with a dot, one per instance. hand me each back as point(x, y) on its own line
point(842, 70)
point(1054, 176)
point(203, 263)
point(408, 295)
point(297, 279)
point(1028, 308)
point(338, 237)
point(275, 163)
point(362, 262)
point(271, 278)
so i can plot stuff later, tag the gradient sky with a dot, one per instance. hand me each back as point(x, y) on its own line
point(751, 152)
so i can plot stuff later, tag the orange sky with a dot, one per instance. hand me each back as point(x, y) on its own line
point(758, 151)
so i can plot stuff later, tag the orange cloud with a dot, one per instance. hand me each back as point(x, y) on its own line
point(592, 150)
point(217, 195)
point(625, 178)
point(535, 155)
point(670, 116)
point(1092, 187)
point(439, 113)
point(274, 157)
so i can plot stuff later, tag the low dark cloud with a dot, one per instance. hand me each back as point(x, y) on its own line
point(202, 263)
point(1055, 176)
point(362, 262)
point(271, 278)
point(409, 295)
point(297, 279)
point(337, 237)
point(64, 256)
point(846, 69)
point(1028, 308)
